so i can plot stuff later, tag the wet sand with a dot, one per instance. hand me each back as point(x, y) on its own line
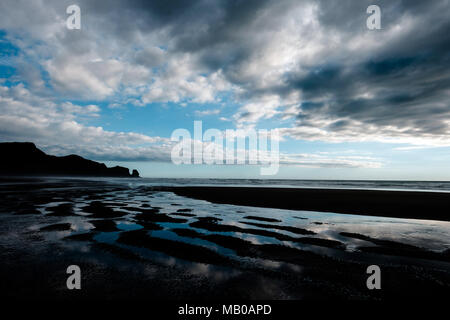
point(398, 204)
point(142, 243)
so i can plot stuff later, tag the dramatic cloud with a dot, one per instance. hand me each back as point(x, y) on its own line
point(27, 117)
point(312, 68)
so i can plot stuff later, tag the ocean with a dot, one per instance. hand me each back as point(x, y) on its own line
point(393, 185)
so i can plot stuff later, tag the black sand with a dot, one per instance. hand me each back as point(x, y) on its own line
point(398, 204)
point(149, 263)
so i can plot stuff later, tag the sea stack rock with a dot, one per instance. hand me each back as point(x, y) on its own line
point(135, 174)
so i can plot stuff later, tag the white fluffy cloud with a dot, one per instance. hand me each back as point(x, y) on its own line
point(94, 79)
point(51, 125)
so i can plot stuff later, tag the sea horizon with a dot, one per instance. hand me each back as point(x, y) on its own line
point(363, 184)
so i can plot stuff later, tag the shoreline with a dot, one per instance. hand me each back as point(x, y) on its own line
point(393, 204)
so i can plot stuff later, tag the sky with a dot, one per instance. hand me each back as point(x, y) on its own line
point(347, 102)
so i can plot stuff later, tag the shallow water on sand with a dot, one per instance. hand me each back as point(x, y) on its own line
point(431, 235)
point(214, 240)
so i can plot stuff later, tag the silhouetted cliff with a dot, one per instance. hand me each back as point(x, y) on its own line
point(23, 158)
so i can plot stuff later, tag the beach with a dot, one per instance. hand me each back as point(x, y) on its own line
point(137, 241)
point(385, 203)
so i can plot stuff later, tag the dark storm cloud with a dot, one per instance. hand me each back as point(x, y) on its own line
point(192, 25)
point(219, 32)
point(407, 80)
point(409, 92)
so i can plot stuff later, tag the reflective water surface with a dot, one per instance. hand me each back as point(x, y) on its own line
point(212, 240)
